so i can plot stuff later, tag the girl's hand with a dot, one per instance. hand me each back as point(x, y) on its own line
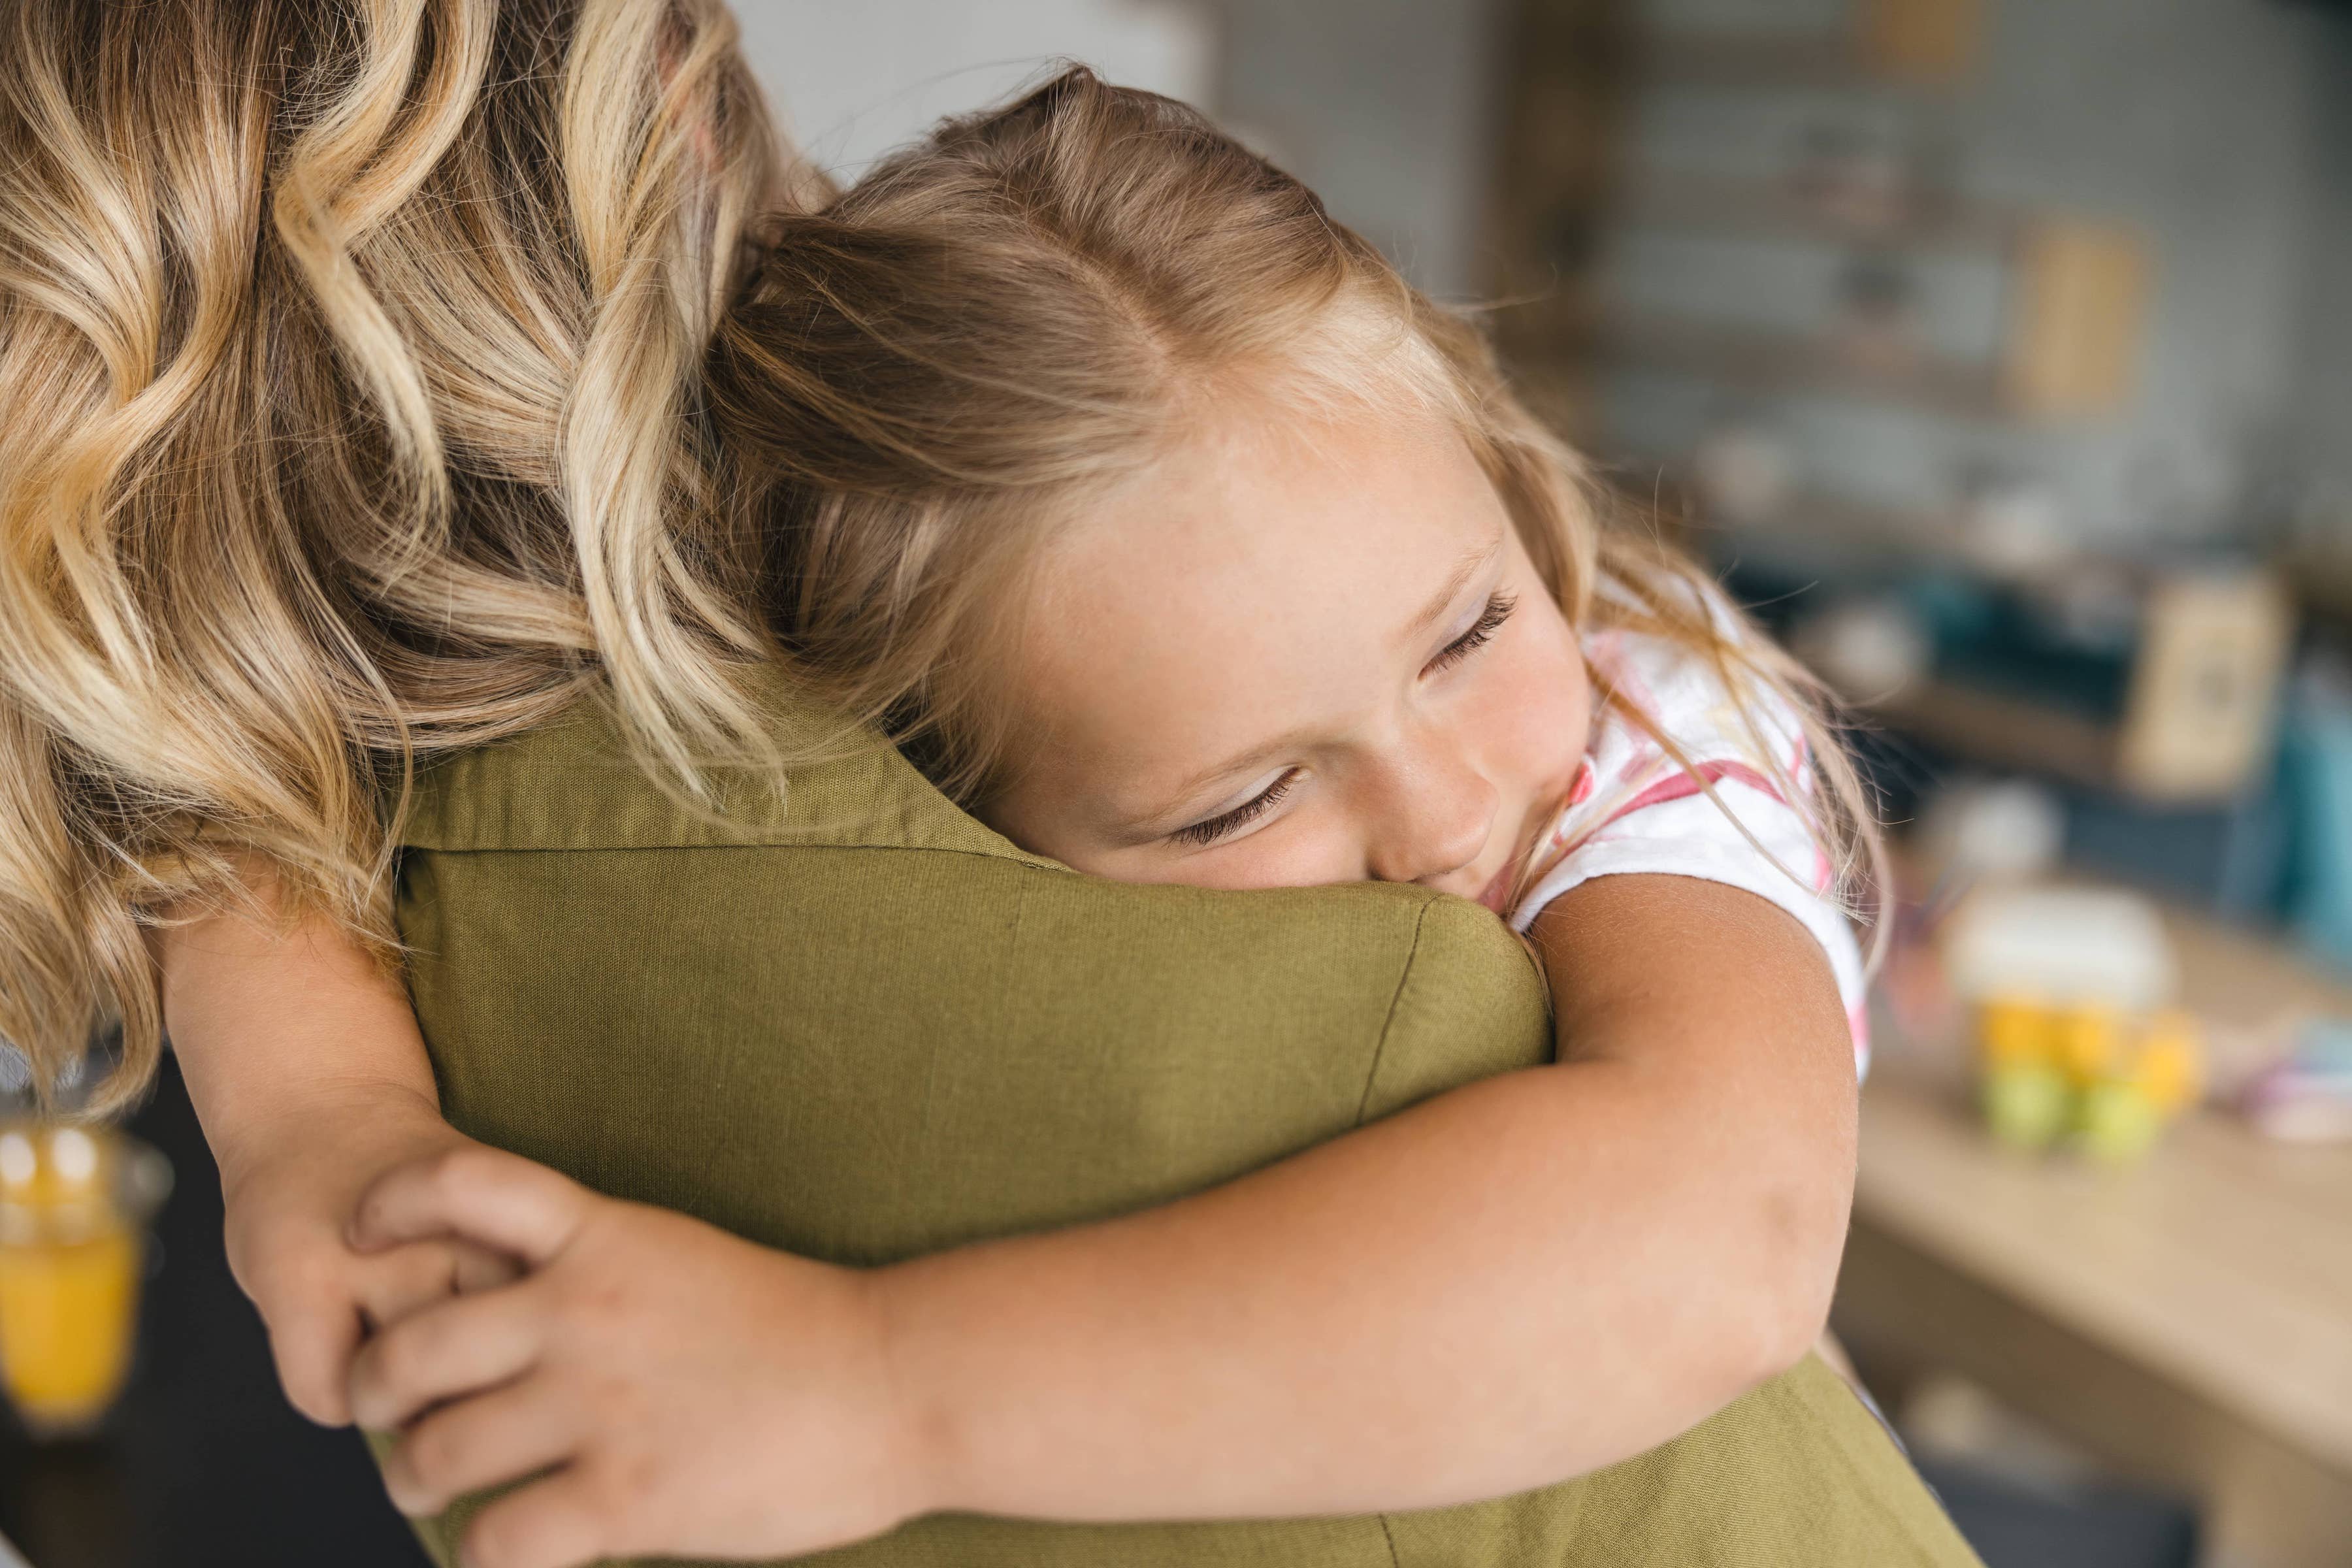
point(686, 1391)
point(289, 1198)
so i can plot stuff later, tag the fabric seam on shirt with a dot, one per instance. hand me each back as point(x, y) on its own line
point(1888, 1516)
point(1390, 1536)
point(1387, 1022)
point(1032, 863)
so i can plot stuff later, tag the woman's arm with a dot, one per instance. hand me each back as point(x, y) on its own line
point(1515, 1282)
point(307, 1071)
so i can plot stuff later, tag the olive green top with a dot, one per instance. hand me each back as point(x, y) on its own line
point(847, 1020)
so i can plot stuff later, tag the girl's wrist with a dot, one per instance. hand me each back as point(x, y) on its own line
point(923, 1405)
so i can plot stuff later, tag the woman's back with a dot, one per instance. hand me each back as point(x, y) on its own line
point(762, 1019)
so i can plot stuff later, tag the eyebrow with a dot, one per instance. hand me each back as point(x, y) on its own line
point(1474, 560)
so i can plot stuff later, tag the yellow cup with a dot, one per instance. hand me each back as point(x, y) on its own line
point(74, 1208)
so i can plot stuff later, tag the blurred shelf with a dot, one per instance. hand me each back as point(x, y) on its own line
point(1850, 532)
point(2070, 351)
point(2002, 731)
point(2199, 709)
point(1766, 361)
point(1770, 208)
point(1765, 59)
point(2322, 584)
point(1914, 44)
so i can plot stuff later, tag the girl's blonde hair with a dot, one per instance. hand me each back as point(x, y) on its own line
point(348, 363)
point(1038, 303)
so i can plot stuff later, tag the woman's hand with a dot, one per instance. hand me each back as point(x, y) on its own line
point(682, 1391)
point(305, 1067)
point(289, 1198)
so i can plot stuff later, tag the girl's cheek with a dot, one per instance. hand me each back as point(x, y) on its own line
point(1307, 852)
point(1304, 852)
point(1544, 710)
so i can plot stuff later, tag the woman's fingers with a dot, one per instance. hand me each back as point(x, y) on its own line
point(500, 1200)
point(480, 1442)
point(311, 1337)
point(299, 1281)
point(468, 1342)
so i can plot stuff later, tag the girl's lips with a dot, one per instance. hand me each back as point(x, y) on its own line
point(1497, 893)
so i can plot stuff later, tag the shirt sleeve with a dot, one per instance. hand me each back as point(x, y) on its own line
point(1740, 813)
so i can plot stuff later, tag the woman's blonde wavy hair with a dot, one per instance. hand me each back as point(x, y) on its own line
point(1037, 304)
point(348, 357)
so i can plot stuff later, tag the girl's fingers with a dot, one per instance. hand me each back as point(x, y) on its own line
point(475, 1268)
point(556, 1522)
point(407, 1279)
point(480, 1442)
point(500, 1200)
point(466, 1343)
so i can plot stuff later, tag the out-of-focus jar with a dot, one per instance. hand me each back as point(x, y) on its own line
point(75, 1204)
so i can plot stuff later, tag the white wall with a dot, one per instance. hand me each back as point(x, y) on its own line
point(852, 79)
point(1382, 106)
point(1388, 108)
point(2325, 390)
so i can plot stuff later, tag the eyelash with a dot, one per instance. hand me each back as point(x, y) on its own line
point(1490, 621)
point(1241, 816)
point(1499, 610)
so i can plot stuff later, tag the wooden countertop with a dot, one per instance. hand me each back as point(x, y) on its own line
point(2222, 1263)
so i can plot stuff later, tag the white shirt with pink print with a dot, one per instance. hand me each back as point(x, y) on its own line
point(1636, 809)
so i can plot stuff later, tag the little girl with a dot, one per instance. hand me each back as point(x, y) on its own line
point(1183, 542)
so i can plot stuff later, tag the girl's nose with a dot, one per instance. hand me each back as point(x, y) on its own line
point(1438, 821)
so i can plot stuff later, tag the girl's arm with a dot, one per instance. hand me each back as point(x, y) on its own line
point(307, 1071)
point(1517, 1281)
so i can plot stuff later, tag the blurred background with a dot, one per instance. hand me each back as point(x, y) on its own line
point(1999, 354)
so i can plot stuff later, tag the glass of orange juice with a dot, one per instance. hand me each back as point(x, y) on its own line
point(75, 1204)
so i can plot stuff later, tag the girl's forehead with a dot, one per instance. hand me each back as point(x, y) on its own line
point(1260, 507)
point(1253, 587)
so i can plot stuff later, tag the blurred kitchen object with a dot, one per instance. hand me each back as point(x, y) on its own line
point(1870, 650)
point(2167, 689)
point(2316, 785)
point(1877, 328)
point(2307, 1096)
point(1996, 830)
point(75, 1204)
point(1744, 473)
point(2010, 528)
point(2071, 990)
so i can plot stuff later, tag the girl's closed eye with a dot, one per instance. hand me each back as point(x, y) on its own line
point(1482, 631)
point(1227, 823)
